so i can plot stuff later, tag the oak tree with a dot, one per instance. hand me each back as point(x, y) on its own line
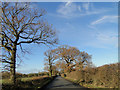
point(83, 61)
point(50, 56)
point(22, 24)
point(74, 58)
point(69, 55)
point(61, 66)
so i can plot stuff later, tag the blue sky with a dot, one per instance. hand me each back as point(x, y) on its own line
point(91, 27)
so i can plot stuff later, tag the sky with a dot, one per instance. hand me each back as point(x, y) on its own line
point(90, 26)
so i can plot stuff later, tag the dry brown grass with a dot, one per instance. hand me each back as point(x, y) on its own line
point(103, 76)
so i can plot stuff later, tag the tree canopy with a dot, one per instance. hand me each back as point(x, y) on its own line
point(23, 24)
point(70, 58)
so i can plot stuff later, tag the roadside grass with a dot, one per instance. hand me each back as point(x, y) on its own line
point(28, 82)
point(31, 78)
point(5, 81)
point(82, 84)
point(90, 86)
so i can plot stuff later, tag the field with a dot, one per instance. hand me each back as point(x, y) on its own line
point(27, 82)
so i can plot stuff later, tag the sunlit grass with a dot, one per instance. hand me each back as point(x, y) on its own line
point(5, 81)
point(27, 82)
point(84, 85)
point(31, 78)
point(92, 86)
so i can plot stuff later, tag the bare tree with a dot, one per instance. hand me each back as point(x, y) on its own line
point(69, 55)
point(61, 66)
point(22, 24)
point(5, 59)
point(50, 57)
point(84, 61)
point(73, 57)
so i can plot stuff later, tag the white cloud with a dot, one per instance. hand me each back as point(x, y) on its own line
point(79, 8)
point(107, 38)
point(104, 40)
point(73, 10)
point(86, 6)
point(67, 9)
point(104, 19)
point(68, 3)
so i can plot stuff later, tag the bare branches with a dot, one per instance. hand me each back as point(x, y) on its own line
point(5, 36)
point(50, 57)
point(22, 24)
point(69, 57)
point(5, 61)
point(25, 23)
point(68, 53)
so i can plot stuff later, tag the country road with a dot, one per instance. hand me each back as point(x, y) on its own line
point(60, 82)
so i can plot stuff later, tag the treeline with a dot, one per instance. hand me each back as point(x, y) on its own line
point(65, 59)
point(6, 75)
point(106, 76)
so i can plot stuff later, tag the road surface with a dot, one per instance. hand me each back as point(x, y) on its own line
point(60, 82)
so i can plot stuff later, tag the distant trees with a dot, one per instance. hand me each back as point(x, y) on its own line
point(61, 66)
point(50, 57)
point(22, 24)
point(70, 59)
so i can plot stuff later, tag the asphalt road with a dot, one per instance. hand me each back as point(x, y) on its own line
point(61, 83)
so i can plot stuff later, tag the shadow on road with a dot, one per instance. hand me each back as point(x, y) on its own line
point(60, 83)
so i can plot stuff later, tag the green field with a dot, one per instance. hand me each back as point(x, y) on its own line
point(28, 82)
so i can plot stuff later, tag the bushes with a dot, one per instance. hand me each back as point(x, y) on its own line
point(104, 76)
point(107, 75)
point(6, 75)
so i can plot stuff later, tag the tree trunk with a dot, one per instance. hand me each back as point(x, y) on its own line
point(68, 68)
point(13, 65)
point(50, 71)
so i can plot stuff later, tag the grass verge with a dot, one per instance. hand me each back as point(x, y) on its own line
point(82, 84)
point(26, 83)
